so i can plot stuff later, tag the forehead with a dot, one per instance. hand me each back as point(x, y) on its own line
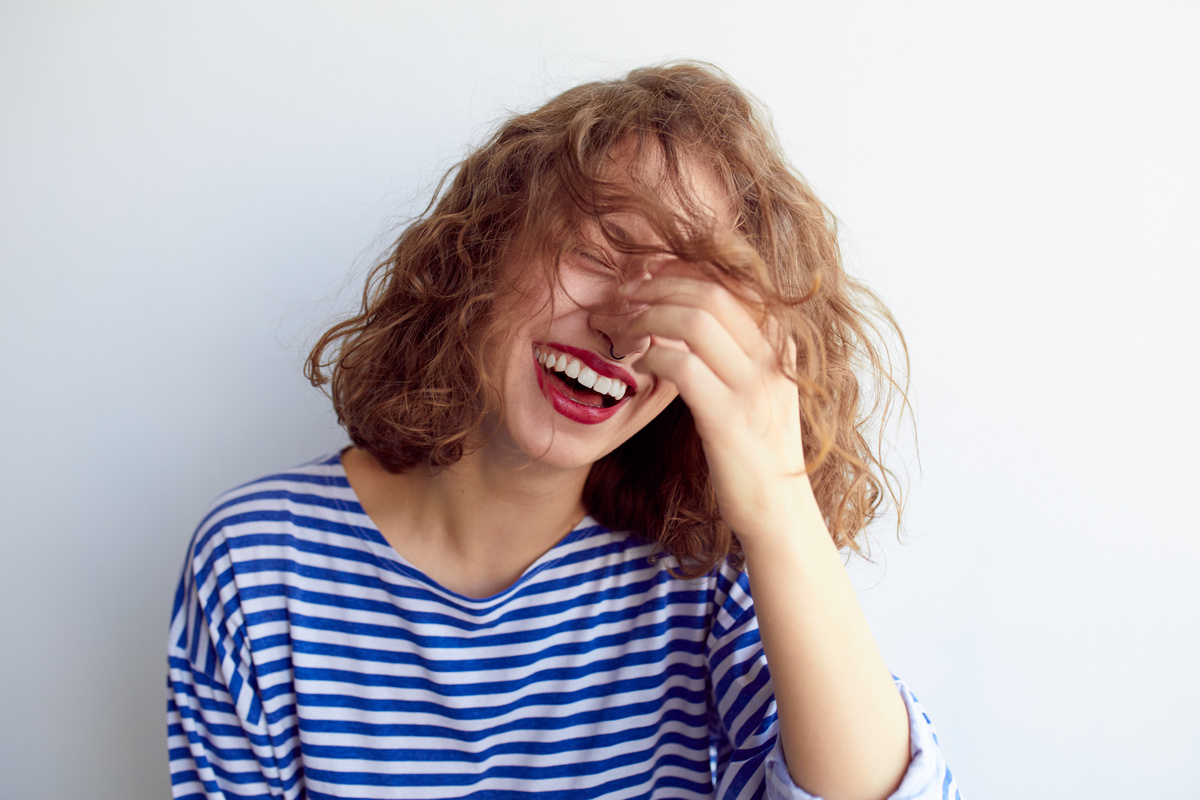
point(640, 201)
point(684, 186)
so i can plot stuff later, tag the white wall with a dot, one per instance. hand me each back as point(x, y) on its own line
point(185, 187)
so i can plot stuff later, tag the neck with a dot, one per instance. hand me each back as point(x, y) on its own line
point(476, 526)
point(478, 504)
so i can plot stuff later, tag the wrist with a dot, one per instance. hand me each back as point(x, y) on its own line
point(791, 517)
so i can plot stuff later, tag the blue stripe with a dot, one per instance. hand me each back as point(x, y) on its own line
point(301, 641)
point(606, 593)
point(553, 674)
point(512, 636)
point(366, 654)
point(647, 684)
point(538, 724)
point(516, 771)
point(365, 752)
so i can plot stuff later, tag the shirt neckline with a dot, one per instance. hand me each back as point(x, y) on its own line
point(392, 560)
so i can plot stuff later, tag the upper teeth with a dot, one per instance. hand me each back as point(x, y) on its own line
point(584, 375)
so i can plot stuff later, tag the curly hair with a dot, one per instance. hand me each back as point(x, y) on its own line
point(408, 374)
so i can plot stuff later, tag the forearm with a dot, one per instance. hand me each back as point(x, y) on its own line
point(843, 725)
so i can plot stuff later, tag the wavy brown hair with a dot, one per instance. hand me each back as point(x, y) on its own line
point(408, 376)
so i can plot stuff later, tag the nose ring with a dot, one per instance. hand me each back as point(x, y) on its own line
point(611, 353)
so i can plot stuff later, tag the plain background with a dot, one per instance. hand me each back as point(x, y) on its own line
point(190, 192)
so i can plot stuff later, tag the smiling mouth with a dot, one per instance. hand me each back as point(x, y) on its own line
point(580, 383)
point(580, 393)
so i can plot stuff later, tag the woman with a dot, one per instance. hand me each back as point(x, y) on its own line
point(601, 390)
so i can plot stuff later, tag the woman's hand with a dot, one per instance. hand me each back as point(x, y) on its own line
point(710, 344)
point(843, 725)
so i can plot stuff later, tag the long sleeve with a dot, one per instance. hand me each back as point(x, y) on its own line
point(750, 762)
point(220, 741)
point(928, 777)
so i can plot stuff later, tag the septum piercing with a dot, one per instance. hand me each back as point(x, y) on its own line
point(611, 353)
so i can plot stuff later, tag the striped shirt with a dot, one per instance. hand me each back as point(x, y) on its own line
point(308, 659)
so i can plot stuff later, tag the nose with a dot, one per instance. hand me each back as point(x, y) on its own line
point(613, 318)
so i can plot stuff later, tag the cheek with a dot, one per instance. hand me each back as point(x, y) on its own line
point(531, 304)
point(524, 317)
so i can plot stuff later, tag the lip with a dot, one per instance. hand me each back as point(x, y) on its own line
point(598, 365)
point(577, 412)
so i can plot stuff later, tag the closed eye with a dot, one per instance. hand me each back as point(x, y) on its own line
point(596, 261)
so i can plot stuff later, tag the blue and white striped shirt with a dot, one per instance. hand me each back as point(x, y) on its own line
point(308, 659)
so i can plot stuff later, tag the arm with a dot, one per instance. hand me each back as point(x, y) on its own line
point(750, 759)
point(843, 726)
point(927, 777)
point(219, 743)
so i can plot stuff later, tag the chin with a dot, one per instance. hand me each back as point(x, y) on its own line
point(559, 450)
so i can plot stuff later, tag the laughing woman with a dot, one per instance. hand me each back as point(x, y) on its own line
point(601, 392)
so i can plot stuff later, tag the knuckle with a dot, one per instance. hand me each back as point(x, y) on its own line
point(712, 294)
point(698, 319)
point(689, 367)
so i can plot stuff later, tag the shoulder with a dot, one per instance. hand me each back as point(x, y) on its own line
point(313, 498)
point(290, 531)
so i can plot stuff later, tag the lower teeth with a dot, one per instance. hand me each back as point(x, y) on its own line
point(606, 400)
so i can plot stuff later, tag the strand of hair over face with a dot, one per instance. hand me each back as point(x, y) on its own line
point(409, 379)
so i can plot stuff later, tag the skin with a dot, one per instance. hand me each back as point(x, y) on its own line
point(476, 526)
point(843, 725)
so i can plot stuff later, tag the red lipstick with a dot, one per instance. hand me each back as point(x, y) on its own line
point(598, 364)
point(572, 409)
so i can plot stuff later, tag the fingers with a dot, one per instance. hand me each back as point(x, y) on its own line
point(710, 343)
point(704, 296)
point(704, 338)
point(725, 365)
point(703, 391)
